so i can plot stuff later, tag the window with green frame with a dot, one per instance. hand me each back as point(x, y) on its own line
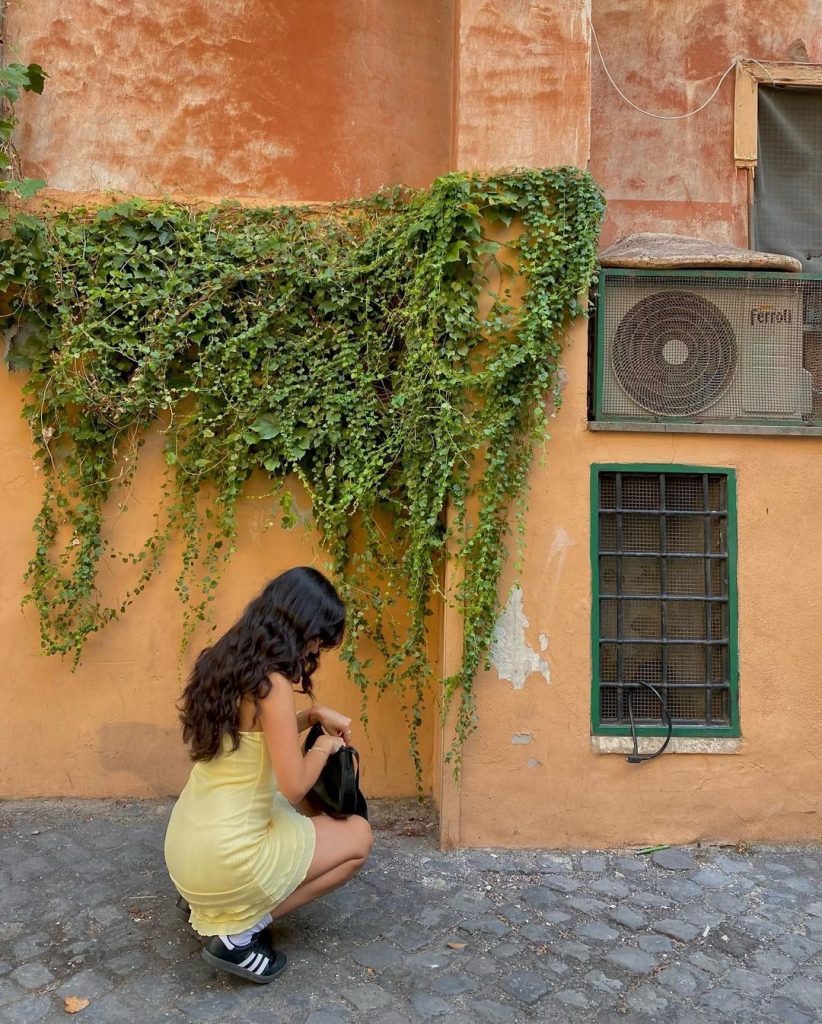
point(663, 552)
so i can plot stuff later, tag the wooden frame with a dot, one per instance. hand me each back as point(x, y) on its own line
point(749, 73)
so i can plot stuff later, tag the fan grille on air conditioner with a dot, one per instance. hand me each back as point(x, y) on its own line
point(674, 353)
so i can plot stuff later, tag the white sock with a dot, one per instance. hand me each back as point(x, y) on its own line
point(243, 938)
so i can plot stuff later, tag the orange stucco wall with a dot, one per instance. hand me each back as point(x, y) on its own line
point(530, 776)
point(110, 728)
point(325, 100)
point(299, 99)
point(303, 99)
point(679, 176)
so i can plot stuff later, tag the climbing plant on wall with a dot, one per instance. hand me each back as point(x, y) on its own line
point(14, 80)
point(356, 347)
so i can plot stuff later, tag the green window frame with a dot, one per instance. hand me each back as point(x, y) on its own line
point(669, 647)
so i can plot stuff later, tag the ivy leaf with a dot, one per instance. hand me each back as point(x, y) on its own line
point(26, 348)
point(266, 426)
point(497, 213)
point(15, 74)
point(36, 79)
point(455, 251)
point(26, 188)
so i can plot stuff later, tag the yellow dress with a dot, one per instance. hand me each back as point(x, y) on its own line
point(235, 847)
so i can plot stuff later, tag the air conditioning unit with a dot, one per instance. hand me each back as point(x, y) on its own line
point(708, 347)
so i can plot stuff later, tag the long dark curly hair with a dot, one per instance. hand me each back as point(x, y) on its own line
point(273, 635)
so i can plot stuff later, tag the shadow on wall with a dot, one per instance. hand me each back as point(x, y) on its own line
point(140, 750)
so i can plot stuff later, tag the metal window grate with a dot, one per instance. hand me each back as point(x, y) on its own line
point(664, 598)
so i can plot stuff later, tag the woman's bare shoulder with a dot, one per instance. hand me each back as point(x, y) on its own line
point(254, 711)
point(279, 697)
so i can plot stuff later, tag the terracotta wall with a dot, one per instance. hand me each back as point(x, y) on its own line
point(679, 176)
point(298, 99)
point(302, 99)
point(110, 728)
point(531, 777)
point(547, 90)
point(517, 91)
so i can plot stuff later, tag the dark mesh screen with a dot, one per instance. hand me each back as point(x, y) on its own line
point(787, 216)
point(663, 605)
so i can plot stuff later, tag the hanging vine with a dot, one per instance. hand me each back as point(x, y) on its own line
point(15, 79)
point(344, 345)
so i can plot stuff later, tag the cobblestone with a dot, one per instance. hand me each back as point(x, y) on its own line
point(690, 935)
point(674, 859)
point(629, 918)
point(633, 960)
point(678, 930)
point(526, 986)
point(32, 976)
point(682, 980)
point(427, 1006)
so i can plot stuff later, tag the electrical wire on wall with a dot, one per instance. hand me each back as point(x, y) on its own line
point(635, 757)
point(667, 117)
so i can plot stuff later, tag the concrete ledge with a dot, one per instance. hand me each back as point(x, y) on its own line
point(678, 745)
point(651, 427)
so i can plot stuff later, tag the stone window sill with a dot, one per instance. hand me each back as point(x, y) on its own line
point(678, 745)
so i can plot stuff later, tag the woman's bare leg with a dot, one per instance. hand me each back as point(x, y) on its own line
point(342, 847)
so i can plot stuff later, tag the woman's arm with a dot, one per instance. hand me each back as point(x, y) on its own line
point(334, 722)
point(296, 772)
point(307, 718)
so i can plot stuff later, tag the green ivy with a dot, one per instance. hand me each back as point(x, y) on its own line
point(341, 344)
point(14, 80)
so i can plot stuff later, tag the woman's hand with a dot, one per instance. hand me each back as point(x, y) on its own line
point(334, 722)
point(328, 745)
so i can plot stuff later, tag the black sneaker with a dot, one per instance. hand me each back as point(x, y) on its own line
point(257, 962)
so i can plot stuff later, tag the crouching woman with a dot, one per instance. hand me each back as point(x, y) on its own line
point(241, 846)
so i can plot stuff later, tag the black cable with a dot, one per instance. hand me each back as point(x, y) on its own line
point(636, 757)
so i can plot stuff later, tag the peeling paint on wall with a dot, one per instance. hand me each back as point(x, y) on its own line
point(511, 654)
point(522, 737)
point(559, 549)
point(534, 763)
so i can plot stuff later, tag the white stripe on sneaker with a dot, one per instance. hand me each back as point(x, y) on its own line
point(226, 941)
point(263, 966)
point(248, 959)
point(255, 964)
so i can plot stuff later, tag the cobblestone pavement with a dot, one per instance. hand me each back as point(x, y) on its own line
point(684, 935)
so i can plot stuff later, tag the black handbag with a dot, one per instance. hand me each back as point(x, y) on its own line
point(337, 790)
